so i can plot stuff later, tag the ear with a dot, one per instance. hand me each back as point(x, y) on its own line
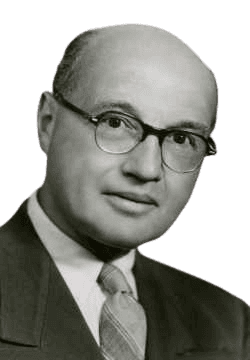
point(46, 119)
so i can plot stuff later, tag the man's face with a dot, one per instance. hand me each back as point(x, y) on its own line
point(127, 199)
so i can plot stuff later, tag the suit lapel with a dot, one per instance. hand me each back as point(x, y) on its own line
point(66, 334)
point(167, 335)
point(24, 283)
point(46, 316)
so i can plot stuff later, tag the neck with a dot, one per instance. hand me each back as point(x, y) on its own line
point(102, 251)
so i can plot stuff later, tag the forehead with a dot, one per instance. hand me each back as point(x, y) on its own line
point(159, 76)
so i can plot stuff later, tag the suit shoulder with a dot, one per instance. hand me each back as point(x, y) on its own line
point(197, 288)
point(16, 237)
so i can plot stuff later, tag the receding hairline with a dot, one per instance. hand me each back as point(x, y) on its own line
point(103, 33)
point(90, 39)
point(66, 78)
point(97, 36)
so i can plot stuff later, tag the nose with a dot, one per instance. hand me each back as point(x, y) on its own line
point(144, 162)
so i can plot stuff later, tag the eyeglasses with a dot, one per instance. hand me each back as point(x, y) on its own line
point(118, 133)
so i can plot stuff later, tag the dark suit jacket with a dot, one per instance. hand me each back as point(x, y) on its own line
point(188, 319)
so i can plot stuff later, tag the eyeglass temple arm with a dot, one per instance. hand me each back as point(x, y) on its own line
point(211, 147)
point(72, 107)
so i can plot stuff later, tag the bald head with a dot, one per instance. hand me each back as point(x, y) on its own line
point(122, 50)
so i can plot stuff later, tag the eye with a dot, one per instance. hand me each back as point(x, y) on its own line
point(183, 138)
point(179, 138)
point(114, 122)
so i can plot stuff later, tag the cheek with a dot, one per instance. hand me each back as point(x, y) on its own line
point(67, 165)
point(77, 166)
point(184, 184)
point(178, 190)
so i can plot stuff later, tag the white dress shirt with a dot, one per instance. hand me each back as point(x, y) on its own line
point(78, 267)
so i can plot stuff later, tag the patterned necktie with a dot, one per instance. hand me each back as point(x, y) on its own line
point(122, 322)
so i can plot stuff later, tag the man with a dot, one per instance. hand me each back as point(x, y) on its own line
point(125, 133)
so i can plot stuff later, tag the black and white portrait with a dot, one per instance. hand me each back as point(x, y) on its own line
point(124, 145)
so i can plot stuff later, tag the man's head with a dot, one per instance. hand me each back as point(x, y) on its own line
point(127, 199)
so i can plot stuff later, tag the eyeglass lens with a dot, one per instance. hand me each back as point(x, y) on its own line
point(181, 151)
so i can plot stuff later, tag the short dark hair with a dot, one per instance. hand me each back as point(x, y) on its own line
point(65, 79)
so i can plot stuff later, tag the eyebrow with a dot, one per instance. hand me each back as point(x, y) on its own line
point(130, 110)
point(122, 105)
point(188, 124)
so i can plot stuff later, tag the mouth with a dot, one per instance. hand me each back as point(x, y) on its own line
point(131, 203)
point(135, 197)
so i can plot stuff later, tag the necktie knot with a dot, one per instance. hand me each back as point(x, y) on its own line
point(113, 280)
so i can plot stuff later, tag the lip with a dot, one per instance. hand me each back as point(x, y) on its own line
point(130, 203)
point(134, 197)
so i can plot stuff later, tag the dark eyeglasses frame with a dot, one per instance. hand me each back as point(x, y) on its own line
point(147, 129)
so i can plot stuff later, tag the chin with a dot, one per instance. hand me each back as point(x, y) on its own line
point(127, 239)
point(121, 232)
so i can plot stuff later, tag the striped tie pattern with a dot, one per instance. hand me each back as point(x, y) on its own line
point(122, 322)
